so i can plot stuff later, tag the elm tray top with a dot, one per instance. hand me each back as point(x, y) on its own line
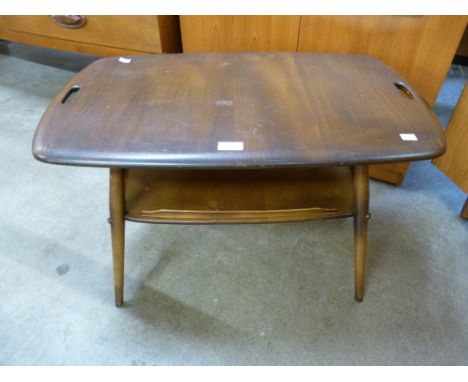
point(237, 110)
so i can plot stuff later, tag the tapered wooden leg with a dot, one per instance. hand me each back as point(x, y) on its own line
point(464, 211)
point(361, 215)
point(117, 221)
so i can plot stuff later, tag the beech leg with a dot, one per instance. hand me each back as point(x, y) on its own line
point(117, 222)
point(361, 215)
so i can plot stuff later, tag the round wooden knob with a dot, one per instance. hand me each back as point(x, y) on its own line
point(69, 21)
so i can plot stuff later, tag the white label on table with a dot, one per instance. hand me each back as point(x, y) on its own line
point(125, 60)
point(230, 146)
point(408, 137)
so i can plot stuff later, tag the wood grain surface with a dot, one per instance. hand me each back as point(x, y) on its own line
point(288, 109)
point(419, 48)
point(238, 196)
point(454, 163)
point(101, 35)
point(239, 33)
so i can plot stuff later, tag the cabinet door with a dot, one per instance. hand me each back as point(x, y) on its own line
point(454, 163)
point(239, 33)
point(419, 48)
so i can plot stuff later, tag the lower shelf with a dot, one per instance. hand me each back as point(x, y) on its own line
point(238, 196)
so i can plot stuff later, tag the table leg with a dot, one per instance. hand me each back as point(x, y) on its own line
point(464, 211)
point(361, 215)
point(117, 221)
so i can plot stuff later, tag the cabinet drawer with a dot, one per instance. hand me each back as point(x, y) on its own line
point(137, 33)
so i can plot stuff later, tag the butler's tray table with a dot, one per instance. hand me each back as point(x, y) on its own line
point(237, 138)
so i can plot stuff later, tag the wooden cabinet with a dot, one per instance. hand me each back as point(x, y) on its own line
point(97, 35)
point(420, 48)
point(239, 33)
point(454, 163)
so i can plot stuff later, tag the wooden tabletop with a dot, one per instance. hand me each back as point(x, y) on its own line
point(237, 110)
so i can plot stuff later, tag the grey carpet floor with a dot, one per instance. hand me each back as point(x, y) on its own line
point(245, 294)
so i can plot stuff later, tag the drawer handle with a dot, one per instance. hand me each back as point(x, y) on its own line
point(69, 21)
